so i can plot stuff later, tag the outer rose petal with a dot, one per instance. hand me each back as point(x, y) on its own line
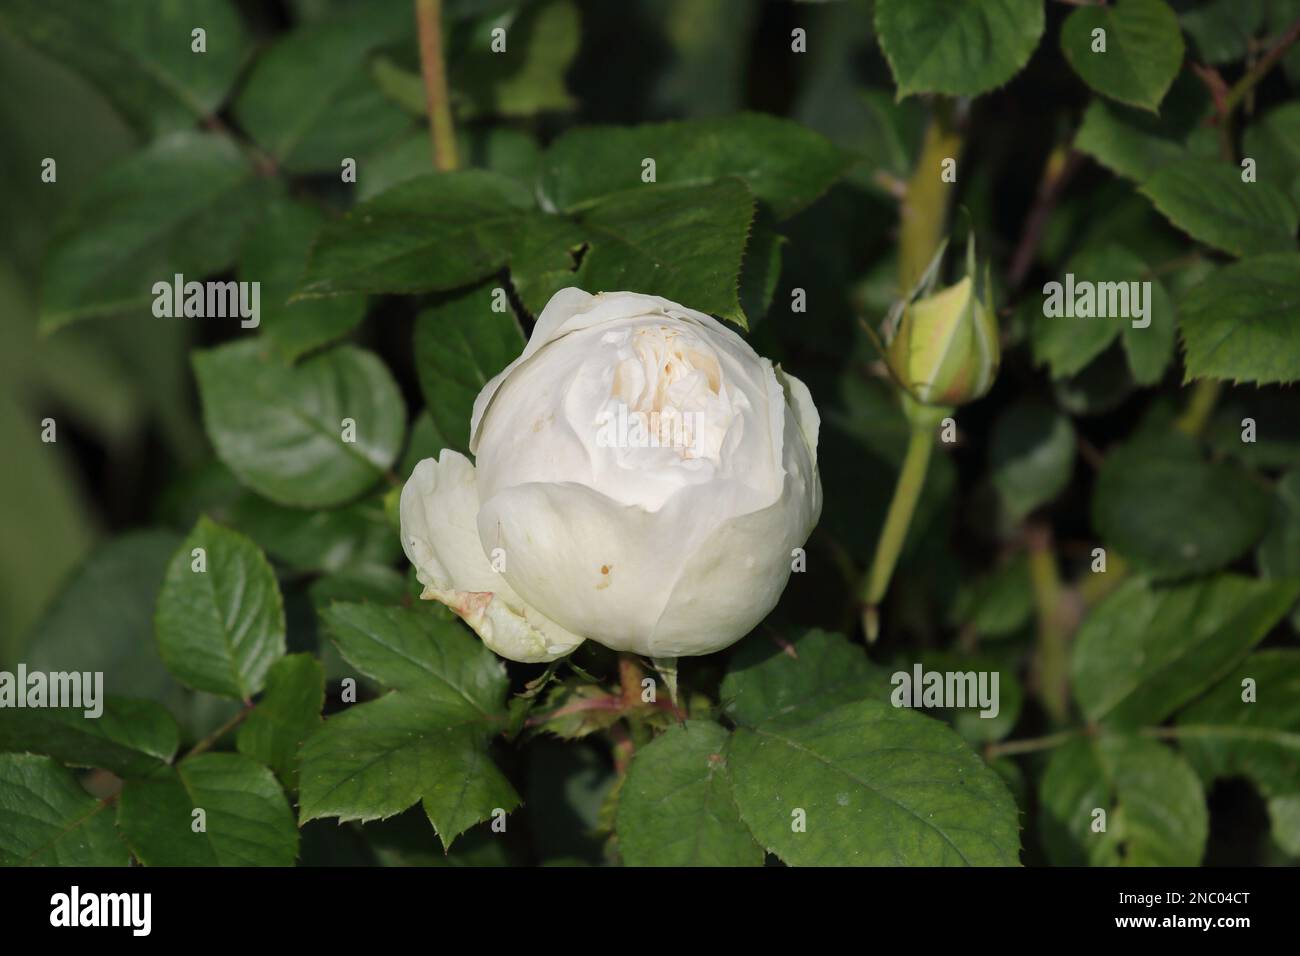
point(438, 509)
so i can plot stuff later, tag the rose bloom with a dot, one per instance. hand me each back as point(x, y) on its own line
point(642, 479)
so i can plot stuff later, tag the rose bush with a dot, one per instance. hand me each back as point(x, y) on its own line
point(667, 547)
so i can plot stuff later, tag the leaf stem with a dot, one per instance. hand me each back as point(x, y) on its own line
point(428, 20)
point(907, 491)
point(1199, 407)
point(208, 742)
point(1243, 86)
point(1054, 627)
point(1029, 745)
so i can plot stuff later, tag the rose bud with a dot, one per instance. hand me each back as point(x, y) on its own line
point(642, 480)
point(945, 350)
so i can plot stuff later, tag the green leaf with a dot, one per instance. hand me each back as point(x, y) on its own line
point(129, 737)
point(428, 234)
point(684, 243)
point(1173, 514)
point(1273, 142)
point(310, 99)
point(286, 715)
point(785, 165)
point(246, 818)
point(181, 206)
point(997, 603)
point(1145, 651)
point(1126, 141)
point(1240, 323)
point(1284, 813)
point(460, 344)
point(376, 759)
point(545, 258)
point(814, 672)
point(878, 785)
point(427, 741)
point(1224, 30)
point(1031, 456)
point(1225, 736)
point(139, 57)
point(958, 47)
point(356, 533)
point(1154, 804)
point(1142, 55)
point(418, 651)
point(220, 628)
point(1278, 555)
point(528, 76)
point(1068, 343)
point(676, 806)
point(275, 256)
point(280, 428)
point(761, 269)
point(46, 819)
point(1207, 199)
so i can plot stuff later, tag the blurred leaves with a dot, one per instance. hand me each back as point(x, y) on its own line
point(1142, 52)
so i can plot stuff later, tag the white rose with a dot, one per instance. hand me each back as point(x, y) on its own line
point(664, 548)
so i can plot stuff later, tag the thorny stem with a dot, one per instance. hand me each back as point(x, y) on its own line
point(428, 19)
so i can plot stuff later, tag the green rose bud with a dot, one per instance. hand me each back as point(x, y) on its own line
point(945, 350)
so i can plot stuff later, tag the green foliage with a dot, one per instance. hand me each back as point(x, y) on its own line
point(1114, 531)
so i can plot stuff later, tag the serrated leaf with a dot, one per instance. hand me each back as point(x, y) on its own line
point(279, 428)
point(310, 100)
point(545, 257)
point(376, 759)
point(676, 807)
point(418, 651)
point(1278, 555)
point(785, 165)
point(1143, 52)
point(684, 243)
point(220, 629)
point(815, 671)
point(182, 205)
point(1171, 513)
point(877, 785)
point(287, 714)
point(1031, 456)
point(1145, 651)
point(958, 47)
point(354, 534)
point(275, 255)
point(1154, 804)
point(246, 818)
point(1240, 323)
point(1208, 200)
point(129, 737)
point(1224, 735)
point(1273, 141)
point(427, 741)
point(140, 57)
point(427, 234)
point(46, 819)
point(459, 345)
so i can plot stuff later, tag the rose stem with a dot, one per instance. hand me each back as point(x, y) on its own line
point(428, 21)
point(911, 479)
